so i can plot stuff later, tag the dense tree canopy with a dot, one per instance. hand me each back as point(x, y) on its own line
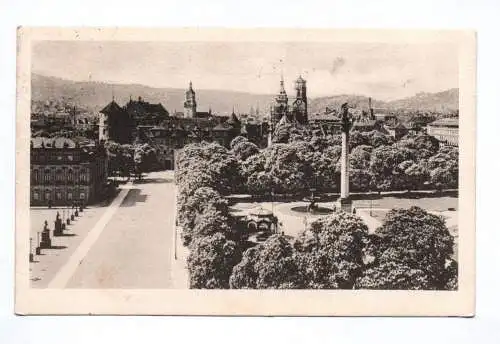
point(331, 251)
point(393, 275)
point(271, 265)
point(144, 158)
point(244, 149)
point(211, 261)
point(214, 163)
point(419, 240)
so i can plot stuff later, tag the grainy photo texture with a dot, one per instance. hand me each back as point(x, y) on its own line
point(245, 163)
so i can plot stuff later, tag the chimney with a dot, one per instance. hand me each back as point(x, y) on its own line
point(370, 106)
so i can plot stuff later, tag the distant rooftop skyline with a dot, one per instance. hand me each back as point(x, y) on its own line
point(382, 71)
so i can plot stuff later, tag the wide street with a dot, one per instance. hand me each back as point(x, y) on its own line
point(131, 244)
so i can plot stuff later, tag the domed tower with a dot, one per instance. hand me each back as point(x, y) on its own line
point(300, 104)
point(190, 102)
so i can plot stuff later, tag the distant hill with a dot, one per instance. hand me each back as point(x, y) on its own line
point(95, 95)
point(318, 105)
point(439, 102)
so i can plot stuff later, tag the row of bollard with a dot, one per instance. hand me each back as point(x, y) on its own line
point(44, 240)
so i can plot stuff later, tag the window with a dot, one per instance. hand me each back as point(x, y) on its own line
point(58, 196)
point(70, 176)
point(59, 176)
point(70, 157)
point(83, 176)
point(46, 176)
point(82, 195)
point(70, 196)
point(35, 176)
point(47, 196)
point(36, 196)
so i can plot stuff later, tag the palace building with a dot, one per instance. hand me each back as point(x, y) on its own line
point(445, 130)
point(66, 170)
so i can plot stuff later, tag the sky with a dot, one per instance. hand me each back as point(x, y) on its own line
point(383, 71)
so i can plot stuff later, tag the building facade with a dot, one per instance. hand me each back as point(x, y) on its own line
point(120, 124)
point(445, 130)
point(115, 124)
point(64, 171)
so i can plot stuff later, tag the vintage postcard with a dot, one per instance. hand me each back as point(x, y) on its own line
point(245, 172)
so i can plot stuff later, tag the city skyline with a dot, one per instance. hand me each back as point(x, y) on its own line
point(385, 72)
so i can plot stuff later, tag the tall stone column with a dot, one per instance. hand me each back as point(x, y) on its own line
point(344, 176)
point(344, 202)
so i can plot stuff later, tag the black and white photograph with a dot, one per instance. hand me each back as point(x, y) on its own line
point(287, 165)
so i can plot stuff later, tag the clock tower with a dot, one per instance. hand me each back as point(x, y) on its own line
point(190, 102)
point(300, 104)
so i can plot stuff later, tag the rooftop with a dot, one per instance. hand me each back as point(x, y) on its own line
point(60, 142)
point(445, 122)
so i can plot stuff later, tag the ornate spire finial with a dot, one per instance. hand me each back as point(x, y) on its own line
point(282, 85)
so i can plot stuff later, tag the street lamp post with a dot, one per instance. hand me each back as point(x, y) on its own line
point(38, 250)
point(31, 250)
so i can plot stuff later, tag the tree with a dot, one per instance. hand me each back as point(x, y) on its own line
point(144, 158)
point(377, 139)
point(359, 158)
point(244, 149)
point(236, 140)
point(419, 240)
point(359, 174)
point(331, 251)
point(393, 275)
point(271, 265)
point(260, 183)
point(215, 161)
point(360, 179)
point(211, 261)
point(416, 175)
point(443, 168)
point(357, 138)
point(120, 158)
point(244, 274)
point(383, 166)
point(203, 213)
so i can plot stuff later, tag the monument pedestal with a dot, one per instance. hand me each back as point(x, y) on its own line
point(344, 204)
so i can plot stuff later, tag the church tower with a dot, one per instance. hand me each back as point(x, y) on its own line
point(190, 102)
point(280, 107)
point(300, 104)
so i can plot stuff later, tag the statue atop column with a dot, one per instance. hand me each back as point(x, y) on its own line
point(345, 118)
point(344, 202)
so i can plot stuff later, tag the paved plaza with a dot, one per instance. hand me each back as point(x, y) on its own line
point(294, 222)
point(125, 245)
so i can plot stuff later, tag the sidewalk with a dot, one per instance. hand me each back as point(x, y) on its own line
point(47, 265)
point(179, 272)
